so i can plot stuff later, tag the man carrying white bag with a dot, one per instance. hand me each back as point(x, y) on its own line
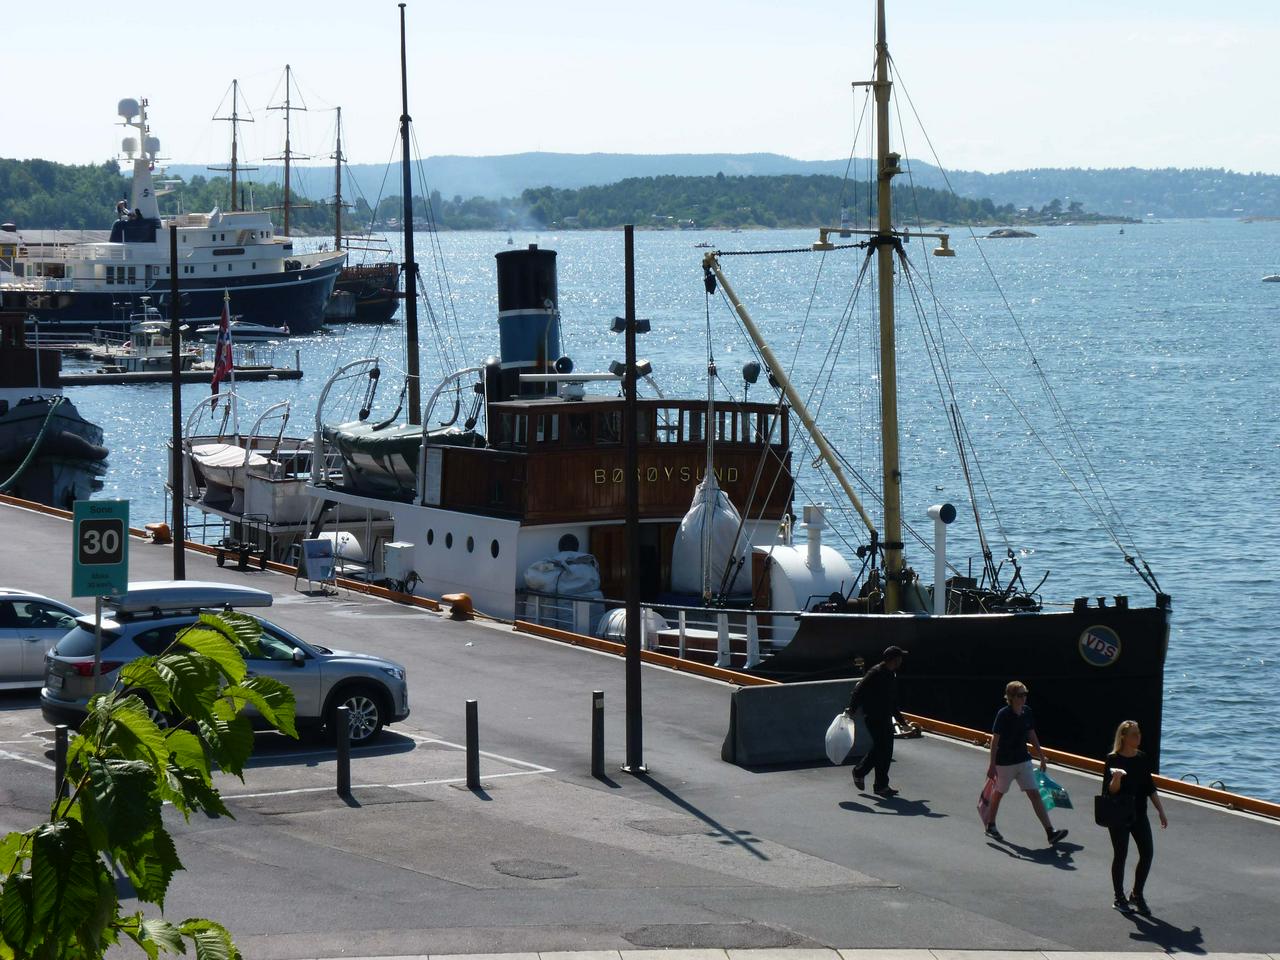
point(847, 737)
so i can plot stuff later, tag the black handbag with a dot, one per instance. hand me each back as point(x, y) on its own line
point(1115, 811)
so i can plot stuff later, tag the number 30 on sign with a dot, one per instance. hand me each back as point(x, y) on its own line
point(100, 554)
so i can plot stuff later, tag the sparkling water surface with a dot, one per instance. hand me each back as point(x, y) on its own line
point(1160, 344)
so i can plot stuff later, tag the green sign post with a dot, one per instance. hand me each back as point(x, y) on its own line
point(100, 548)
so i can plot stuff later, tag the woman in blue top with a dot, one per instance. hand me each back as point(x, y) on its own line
point(1128, 771)
point(1011, 762)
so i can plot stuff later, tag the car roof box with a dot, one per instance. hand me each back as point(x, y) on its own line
point(148, 595)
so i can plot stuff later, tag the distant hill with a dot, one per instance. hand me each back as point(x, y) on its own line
point(1127, 191)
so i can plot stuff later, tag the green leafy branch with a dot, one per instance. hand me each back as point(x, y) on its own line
point(156, 737)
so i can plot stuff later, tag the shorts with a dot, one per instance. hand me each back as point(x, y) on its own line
point(1021, 773)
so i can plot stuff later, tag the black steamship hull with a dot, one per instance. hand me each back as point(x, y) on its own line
point(1086, 670)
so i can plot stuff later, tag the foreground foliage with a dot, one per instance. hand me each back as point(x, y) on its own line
point(58, 895)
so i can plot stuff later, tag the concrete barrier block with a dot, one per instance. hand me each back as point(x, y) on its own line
point(786, 723)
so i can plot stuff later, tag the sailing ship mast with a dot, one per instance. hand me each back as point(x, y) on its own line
point(234, 169)
point(288, 154)
point(886, 244)
point(410, 265)
point(337, 186)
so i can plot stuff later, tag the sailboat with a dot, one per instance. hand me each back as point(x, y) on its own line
point(522, 468)
point(365, 292)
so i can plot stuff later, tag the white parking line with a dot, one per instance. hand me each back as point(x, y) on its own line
point(6, 755)
point(533, 767)
point(390, 786)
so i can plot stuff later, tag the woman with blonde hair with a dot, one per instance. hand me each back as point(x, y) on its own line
point(1128, 771)
point(1011, 761)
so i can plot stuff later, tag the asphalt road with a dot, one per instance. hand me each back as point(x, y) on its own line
point(697, 853)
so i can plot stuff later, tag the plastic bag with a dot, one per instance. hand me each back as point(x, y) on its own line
point(848, 737)
point(984, 800)
point(1052, 793)
point(839, 738)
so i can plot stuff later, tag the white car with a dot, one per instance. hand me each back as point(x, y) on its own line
point(30, 625)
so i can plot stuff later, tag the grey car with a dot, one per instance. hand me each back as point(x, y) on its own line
point(30, 624)
point(146, 619)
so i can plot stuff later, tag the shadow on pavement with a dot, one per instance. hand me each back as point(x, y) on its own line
point(1058, 856)
point(1166, 936)
point(277, 750)
point(741, 838)
point(894, 805)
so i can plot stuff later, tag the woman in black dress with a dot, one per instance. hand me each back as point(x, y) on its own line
point(1128, 771)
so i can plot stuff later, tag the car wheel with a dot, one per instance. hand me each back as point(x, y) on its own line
point(364, 714)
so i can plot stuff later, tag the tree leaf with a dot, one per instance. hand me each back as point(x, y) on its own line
point(155, 935)
point(142, 674)
point(120, 806)
point(187, 751)
point(212, 940)
point(134, 735)
point(10, 846)
point(193, 683)
point(150, 864)
point(271, 698)
point(17, 913)
point(188, 792)
point(218, 648)
point(242, 629)
point(64, 869)
point(230, 741)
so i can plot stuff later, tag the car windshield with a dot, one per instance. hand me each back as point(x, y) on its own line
point(80, 643)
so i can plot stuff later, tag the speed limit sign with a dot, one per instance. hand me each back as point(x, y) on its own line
point(100, 554)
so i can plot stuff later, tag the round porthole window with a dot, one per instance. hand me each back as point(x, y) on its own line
point(448, 541)
point(431, 537)
point(471, 544)
point(493, 549)
point(568, 543)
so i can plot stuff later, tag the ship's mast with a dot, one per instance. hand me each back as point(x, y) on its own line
point(288, 154)
point(410, 265)
point(234, 169)
point(337, 187)
point(887, 168)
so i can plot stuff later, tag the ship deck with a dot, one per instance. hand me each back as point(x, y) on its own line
point(697, 853)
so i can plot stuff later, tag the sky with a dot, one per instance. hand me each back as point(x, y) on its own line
point(997, 84)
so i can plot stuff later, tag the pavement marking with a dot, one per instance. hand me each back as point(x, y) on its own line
point(387, 786)
point(533, 767)
point(6, 755)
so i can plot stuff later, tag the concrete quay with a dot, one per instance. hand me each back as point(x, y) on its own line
point(696, 860)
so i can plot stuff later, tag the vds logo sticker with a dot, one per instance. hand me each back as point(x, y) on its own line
point(1100, 646)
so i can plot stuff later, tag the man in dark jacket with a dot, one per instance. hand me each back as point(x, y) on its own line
point(877, 695)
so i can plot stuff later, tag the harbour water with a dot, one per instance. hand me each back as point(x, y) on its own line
point(1160, 344)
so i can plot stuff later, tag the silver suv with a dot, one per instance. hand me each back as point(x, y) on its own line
point(146, 619)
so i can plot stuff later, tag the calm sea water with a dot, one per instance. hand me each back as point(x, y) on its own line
point(1160, 343)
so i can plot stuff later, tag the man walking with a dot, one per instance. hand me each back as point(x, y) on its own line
point(1011, 761)
point(877, 695)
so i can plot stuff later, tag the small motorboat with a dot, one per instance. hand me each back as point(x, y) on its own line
point(243, 330)
point(1271, 278)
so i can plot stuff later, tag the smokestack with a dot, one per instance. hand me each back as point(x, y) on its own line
point(528, 320)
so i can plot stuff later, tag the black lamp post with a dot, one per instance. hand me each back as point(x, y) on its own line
point(175, 386)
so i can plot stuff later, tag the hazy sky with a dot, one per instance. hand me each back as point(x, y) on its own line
point(999, 84)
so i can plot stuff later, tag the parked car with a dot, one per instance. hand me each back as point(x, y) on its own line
point(146, 619)
point(30, 625)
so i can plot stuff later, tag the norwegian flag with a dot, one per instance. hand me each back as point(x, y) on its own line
point(222, 349)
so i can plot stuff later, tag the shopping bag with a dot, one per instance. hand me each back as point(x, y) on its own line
point(839, 738)
point(1114, 810)
point(1052, 793)
point(984, 799)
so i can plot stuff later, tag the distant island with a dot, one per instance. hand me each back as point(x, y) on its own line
point(568, 191)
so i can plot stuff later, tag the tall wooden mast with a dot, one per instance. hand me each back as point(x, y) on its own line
point(288, 154)
point(887, 168)
point(410, 265)
point(337, 187)
point(234, 169)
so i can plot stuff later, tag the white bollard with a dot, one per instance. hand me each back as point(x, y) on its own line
point(723, 656)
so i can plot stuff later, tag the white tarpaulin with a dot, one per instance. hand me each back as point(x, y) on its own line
point(720, 523)
point(566, 574)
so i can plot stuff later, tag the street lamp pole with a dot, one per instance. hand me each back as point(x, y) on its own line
point(631, 460)
point(176, 472)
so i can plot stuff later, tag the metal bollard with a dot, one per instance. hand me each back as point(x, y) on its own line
point(59, 761)
point(597, 734)
point(473, 747)
point(342, 725)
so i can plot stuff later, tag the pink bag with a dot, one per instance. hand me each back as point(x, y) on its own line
point(984, 799)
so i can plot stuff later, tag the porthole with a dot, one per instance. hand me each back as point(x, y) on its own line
point(493, 549)
point(431, 537)
point(448, 541)
point(568, 543)
point(471, 544)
